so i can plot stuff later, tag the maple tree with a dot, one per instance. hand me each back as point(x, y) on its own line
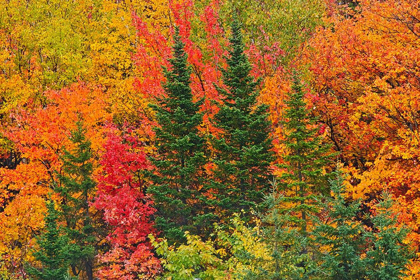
point(100, 62)
point(363, 70)
point(126, 209)
point(39, 135)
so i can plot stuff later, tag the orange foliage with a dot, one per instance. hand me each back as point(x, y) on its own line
point(365, 67)
point(40, 135)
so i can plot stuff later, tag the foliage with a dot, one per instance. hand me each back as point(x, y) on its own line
point(76, 188)
point(179, 160)
point(305, 159)
point(38, 136)
point(237, 253)
point(351, 250)
point(242, 150)
point(390, 255)
point(126, 210)
point(364, 71)
point(342, 238)
point(288, 245)
point(54, 249)
point(100, 62)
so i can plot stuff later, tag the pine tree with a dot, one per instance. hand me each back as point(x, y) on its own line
point(180, 154)
point(389, 255)
point(76, 189)
point(341, 237)
point(306, 157)
point(242, 150)
point(53, 252)
point(350, 250)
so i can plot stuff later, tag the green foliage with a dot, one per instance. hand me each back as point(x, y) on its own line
point(76, 189)
point(180, 152)
point(287, 220)
point(349, 250)
point(306, 158)
point(341, 238)
point(243, 148)
point(54, 249)
point(288, 245)
point(389, 256)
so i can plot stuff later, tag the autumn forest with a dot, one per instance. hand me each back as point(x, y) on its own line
point(209, 139)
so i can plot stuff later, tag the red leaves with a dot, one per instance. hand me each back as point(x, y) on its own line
point(126, 209)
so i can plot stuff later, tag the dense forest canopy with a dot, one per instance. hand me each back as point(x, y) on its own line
point(209, 139)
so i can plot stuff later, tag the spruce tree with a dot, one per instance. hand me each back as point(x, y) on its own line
point(305, 159)
point(242, 150)
point(285, 240)
point(53, 252)
point(388, 256)
point(341, 237)
point(349, 250)
point(76, 189)
point(180, 158)
point(289, 206)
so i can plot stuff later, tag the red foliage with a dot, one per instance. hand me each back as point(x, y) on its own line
point(127, 210)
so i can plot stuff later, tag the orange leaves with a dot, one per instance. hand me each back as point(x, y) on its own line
point(39, 136)
point(365, 69)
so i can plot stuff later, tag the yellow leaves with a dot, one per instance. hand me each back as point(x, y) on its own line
point(18, 222)
point(231, 255)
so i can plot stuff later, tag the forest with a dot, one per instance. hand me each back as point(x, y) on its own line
point(209, 139)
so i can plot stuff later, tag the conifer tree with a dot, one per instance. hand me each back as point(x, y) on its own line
point(388, 256)
point(342, 237)
point(53, 252)
point(180, 158)
point(350, 250)
point(306, 157)
point(285, 240)
point(294, 198)
point(76, 189)
point(242, 150)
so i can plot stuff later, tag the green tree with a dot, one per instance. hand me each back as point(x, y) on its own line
point(284, 238)
point(180, 157)
point(306, 157)
point(350, 250)
point(53, 252)
point(389, 255)
point(242, 150)
point(341, 238)
point(294, 198)
point(76, 189)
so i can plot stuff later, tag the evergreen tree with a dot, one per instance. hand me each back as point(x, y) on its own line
point(286, 221)
point(76, 188)
point(243, 148)
point(306, 157)
point(53, 250)
point(180, 155)
point(349, 250)
point(284, 239)
point(389, 256)
point(341, 238)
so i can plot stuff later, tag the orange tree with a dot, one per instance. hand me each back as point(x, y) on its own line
point(364, 68)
